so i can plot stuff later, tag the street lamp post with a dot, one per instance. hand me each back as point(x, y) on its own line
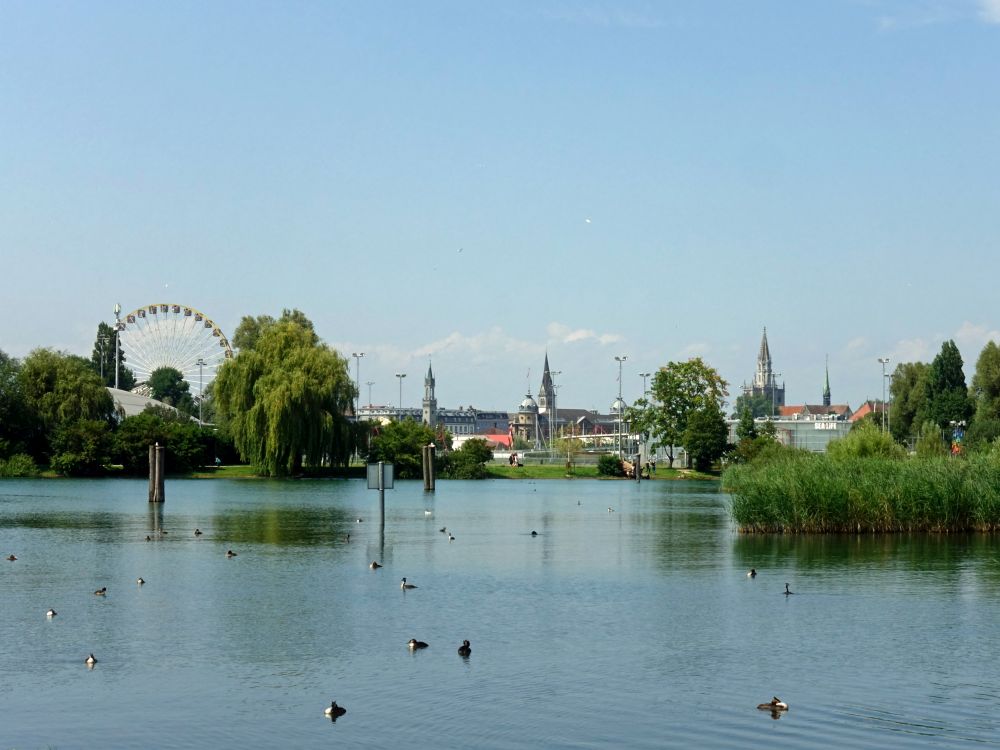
point(369, 383)
point(555, 413)
point(103, 342)
point(357, 401)
point(400, 375)
point(201, 388)
point(644, 375)
point(118, 328)
point(884, 361)
point(888, 417)
point(620, 360)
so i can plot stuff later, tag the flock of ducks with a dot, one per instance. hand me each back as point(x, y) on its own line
point(775, 706)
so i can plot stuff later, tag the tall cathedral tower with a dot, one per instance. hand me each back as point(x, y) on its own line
point(546, 393)
point(764, 381)
point(430, 403)
point(826, 389)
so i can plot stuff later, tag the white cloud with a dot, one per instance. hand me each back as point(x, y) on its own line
point(567, 335)
point(697, 349)
point(911, 350)
point(971, 338)
point(607, 16)
point(989, 10)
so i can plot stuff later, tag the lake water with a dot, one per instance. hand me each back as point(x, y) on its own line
point(637, 628)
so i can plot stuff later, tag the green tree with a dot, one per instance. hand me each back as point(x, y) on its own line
point(15, 415)
point(81, 448)
point(679, 389)
point(747, 428)
point(249, 330)
point(402, 443)
point(759, 405)
point(185, 443)
point(706, 435)
point(103, 359)
point(169, 386)
point(283, 399)
point(986, 383)
point(947, 395)
point(60, 389)
point(909, 406)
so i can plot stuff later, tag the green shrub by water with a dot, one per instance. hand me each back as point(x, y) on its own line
point(18, 465)
point(820, 494)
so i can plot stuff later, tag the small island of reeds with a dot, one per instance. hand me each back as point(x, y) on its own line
point(843, 492)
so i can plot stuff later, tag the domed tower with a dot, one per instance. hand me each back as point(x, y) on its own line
point(525, 424)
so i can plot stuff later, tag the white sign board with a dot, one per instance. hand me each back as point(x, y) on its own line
point(386, 476)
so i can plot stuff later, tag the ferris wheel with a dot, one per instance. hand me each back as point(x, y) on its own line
point(168, 335)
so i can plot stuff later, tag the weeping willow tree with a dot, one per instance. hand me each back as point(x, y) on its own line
point(284, 398)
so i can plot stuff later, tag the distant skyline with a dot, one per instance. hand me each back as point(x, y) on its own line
point(480, 184)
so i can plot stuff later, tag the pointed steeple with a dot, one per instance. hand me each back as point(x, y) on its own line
point(826, 389)
point(763, 378)
point(546, 393)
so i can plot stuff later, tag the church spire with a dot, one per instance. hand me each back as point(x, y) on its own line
point(764, 377)
point(546, 393)
point(826, 389)
point(430, 401)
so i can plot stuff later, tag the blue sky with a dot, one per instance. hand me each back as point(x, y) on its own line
point(482, 183)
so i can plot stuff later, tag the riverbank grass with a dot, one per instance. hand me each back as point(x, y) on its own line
point(820, 494)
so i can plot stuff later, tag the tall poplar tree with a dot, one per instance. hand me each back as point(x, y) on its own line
point(947, 394)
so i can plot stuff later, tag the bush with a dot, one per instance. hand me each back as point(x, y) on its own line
point(468, 462)
point(866, 440)
point(18, 465)
point(610, 466)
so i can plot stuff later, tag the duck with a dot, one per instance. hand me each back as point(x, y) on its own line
point(103, 591)
point(787, 592)
point(404, 585)
point(534, 533)
point(414, 644)
point(12, 558)
point(776, 704)
point(90, 660)
point(333, 710)
point(51, 613)
point(465, 649)
point(428, 512)
point(610, 509)
point(752, 573)
point(197, 532)
point(149, 538)
point(374, 565)
point(360, 520)
point(140, 580)
point(230, 553)
point(443, 529)
point(451, 537)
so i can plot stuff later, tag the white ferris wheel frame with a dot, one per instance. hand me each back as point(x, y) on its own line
point(172, 335)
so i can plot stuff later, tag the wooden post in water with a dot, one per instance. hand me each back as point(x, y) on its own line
point(152, 474)
point(428, 461)
point(381, 496)
point(156, 473)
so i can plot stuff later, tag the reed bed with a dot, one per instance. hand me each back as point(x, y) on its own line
point(817, 494)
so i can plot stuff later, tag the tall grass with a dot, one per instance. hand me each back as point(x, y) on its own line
point(820, 494)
